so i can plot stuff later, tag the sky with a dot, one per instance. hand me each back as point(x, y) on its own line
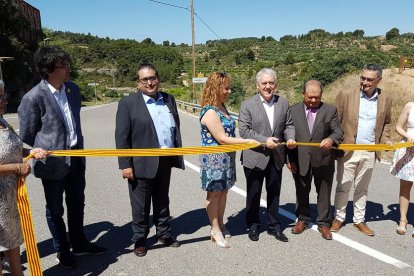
point(140, 19)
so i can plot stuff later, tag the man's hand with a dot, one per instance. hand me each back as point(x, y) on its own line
point(272, 142)
point(291, 144)
point(128, 173)
point(292, 167)
point(326, 144)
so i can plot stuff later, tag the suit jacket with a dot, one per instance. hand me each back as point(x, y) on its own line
point(253, 124)
point(42, 124)
point(326, 125)
point(135, 129)
point(347, 104)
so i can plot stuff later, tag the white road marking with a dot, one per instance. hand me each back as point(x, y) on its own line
point(339, 238)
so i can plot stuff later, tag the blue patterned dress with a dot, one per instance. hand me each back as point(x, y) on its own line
point(217, 171)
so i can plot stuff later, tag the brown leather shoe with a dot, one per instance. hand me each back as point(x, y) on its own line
point(325, 232)
point(140, 251)
point(364, 229)
point(336, 225)
point(299, 227)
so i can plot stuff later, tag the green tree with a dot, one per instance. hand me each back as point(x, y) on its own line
point(393, 33)
point(237, 93)
point(358, 33)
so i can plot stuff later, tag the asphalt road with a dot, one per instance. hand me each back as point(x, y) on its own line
point(108, 217)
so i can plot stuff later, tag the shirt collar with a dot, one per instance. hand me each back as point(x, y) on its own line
point(311, 109)
point(372, 98)
point(148, 99)
point(54, 90)
point(264, 101)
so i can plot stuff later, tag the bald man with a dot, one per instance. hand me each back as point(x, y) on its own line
point(315, 122)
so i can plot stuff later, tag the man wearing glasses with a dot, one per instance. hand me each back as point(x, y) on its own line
point(365, 117)
point(148, 119)
point(49, 116)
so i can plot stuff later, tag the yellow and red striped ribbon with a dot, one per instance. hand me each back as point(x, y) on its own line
point(23, 200)
point(26, 220)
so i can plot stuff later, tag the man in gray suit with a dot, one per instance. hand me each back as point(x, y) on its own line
point(265, 117)
point(315, 122)
point(49, 116)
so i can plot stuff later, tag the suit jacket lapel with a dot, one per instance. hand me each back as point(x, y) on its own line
point(318, 118)
point(52, 101)
point(145, 112)
point(260, 108)
point(303, 120)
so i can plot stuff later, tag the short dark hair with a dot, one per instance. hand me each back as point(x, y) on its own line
point(47, 57)
point(147, 66)
point(374, 67)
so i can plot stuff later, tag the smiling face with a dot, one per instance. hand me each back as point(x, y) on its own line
point(369, 81)
point(225, 91)
point(148, 82)
point(266, 85)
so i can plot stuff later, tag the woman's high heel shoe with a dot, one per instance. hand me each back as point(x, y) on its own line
point(226, 233)
point(402, 228)
point(219, 239)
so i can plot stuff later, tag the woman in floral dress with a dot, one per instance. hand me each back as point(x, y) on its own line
point(402, 165)
point(217, 171)
point(11, 168)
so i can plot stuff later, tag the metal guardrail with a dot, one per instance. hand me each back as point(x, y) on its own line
point(196, 108)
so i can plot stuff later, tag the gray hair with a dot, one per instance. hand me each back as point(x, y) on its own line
point(2, 84)
point(266, 71)
point(374, 67)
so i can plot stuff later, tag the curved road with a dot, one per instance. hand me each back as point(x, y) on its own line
point(108, 216)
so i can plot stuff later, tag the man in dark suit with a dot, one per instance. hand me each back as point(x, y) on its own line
point(148, 119)
point(265, 117)
point(315, 122)
point(49, 116)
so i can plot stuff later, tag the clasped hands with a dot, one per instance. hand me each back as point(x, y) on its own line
point(273, 142)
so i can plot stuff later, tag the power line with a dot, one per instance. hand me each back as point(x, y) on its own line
point(184, 8)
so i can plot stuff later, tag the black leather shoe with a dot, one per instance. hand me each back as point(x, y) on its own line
point(88, 248)
point(278, 235)
point(66, 259)
point(169, 241)
point(253, 234)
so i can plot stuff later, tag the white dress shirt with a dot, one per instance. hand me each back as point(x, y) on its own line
point(62, 100)
point(270, 109)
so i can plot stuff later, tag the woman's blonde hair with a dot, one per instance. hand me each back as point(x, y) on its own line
point(212, 88)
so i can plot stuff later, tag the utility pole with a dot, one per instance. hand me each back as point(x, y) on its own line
point(193, 51)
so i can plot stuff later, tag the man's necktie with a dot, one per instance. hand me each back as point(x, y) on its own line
point(311, 118)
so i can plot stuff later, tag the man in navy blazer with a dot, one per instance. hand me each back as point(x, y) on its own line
point(315, 122)
point(148, 119)
point(49, 116)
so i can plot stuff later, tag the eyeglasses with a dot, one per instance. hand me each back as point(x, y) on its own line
point(63, 66)
point(148, 79)
point(370, 80)
point(3, 98)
